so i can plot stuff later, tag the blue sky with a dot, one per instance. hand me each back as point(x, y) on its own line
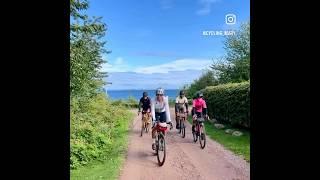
point(158, 39)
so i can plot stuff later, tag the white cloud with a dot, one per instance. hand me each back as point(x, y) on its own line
point(178, 65)
point(118, 66)
point(206, 6)
point(131, 80)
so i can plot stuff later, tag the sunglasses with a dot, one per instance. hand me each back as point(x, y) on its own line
point(159, 94)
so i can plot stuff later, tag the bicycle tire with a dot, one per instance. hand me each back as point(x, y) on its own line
point(161, 143)
point(202, 138)
point(183, 129)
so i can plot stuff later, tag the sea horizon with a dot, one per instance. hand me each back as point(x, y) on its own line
point(137, 93)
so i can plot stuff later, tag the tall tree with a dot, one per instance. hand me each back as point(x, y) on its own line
point(235, 67)
point(206, 79)
point(86, 48)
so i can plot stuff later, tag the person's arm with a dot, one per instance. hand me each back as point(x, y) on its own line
point(167, 108)
point(186, 103)
point(153, 111)
point(176, 105)
point(193, 107)
point(140, 104)
point(149, 105)
point(205, 109)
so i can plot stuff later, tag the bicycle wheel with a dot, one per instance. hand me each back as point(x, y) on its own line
point(183, 128)
point(161, 150)
point(142, 128)
point(194, 133)
point(202, 138)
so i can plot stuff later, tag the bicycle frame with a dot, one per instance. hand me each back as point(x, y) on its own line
point(199, 132)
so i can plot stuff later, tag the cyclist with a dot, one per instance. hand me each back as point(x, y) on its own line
point(145, 103)
point(199, 108)
point(159, 108)
point(181, 106)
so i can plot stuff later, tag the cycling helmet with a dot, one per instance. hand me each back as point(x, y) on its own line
point(199, 94)
point(145, 94)
point(160, 91)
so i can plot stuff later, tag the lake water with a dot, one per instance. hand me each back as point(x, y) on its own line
point(137, 94)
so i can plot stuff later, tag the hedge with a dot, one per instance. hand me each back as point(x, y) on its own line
point(229, 103)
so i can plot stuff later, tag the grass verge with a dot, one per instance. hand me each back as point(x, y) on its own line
point(238, 145)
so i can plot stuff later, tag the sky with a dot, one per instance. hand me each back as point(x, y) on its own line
point(157, 43)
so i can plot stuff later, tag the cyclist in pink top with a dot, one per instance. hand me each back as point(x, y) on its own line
point(199, 108)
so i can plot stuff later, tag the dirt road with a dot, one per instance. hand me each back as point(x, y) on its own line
point(185, 159)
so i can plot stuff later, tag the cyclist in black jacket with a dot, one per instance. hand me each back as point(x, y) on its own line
point(145, 103)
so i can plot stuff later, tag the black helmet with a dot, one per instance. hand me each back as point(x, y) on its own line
point(181, 92)
point(199, 94)
point(145, 94)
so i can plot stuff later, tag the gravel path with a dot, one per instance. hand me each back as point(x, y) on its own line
point(185, 159)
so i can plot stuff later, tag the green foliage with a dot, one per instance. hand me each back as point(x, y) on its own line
point(131, 102)
point(229, 103)
point(109, 166)
point(96, 124)
point(206, 79)
point(238, 46)
point(93, 128)
point(236, 65)
point(86, 48)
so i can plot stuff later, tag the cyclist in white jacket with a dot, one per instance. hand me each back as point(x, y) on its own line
point(160, 108)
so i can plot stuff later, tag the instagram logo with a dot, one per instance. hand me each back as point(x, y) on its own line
point(230, 19)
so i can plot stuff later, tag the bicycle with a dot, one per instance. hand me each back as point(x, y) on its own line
point(181, 119)
point(160, 146)
point(199, 132)
point(145, 122)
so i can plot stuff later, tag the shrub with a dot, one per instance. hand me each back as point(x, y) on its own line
point(229, 103)
point(93, 128)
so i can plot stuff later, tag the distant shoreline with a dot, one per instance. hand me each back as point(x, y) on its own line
point(137, 93)
point(139, 89)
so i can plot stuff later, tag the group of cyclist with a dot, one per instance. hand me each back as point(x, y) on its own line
point(159, 107)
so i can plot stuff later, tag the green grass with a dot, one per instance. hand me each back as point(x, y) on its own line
point(239, 145)
point(109, 168)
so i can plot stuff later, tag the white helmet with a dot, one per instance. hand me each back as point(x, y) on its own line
point(160, 91)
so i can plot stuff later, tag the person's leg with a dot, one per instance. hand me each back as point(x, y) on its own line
point(193, 125)
point(177, 121)
point(148, 118)
point(153, 136)
point(194, 122)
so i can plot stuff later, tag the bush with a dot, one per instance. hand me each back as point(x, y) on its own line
point(93, 128)
point(131, 102)
point(229, 103)
point(206, 79)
